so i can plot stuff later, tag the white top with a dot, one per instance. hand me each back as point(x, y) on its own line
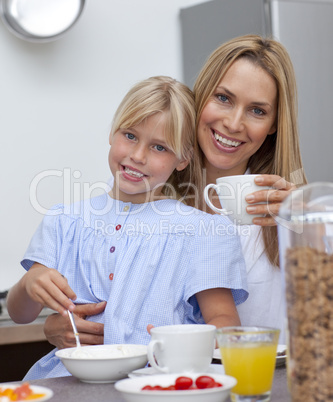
point(265, 304)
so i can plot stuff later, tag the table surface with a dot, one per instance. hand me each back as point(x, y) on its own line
point(70, 389)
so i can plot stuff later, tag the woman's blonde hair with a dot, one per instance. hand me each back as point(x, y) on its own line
point(280, 152)
point(163, 94)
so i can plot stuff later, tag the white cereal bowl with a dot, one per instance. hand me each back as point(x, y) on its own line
point(103, 363)
point(131, 389)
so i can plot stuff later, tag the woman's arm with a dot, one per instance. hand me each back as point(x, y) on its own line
point(39, 287)
point(218, 307)
point(272, 199)
point(59, 332)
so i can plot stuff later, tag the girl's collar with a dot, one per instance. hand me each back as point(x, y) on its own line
point(134, 205)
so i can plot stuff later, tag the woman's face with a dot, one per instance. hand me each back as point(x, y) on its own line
point(237, 118)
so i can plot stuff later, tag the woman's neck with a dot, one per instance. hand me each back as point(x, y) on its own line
point(211, 173)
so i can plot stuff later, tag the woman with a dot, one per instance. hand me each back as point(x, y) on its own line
point(246, 102)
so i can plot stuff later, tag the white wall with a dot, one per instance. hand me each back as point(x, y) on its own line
point(57, 100)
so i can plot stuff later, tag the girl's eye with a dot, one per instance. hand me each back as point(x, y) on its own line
point(222, 98)
point(159, 148)
point(130, 136)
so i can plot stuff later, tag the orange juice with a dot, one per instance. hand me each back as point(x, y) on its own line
point(252, 364)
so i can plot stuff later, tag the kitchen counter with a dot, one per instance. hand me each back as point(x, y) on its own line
point(70, 389)
point(17, 333)
point(11, 333)
point(21, 345)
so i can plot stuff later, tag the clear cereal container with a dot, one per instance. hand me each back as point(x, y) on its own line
point(305, 228)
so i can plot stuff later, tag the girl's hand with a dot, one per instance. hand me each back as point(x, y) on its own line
point(49, 288)
point(272, 198)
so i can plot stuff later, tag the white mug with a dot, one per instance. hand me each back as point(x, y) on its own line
point(232, 191)
point(182, 348)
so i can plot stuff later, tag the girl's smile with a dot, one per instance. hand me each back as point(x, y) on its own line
point(141, 161)
point(132, 174)
point(237, 118)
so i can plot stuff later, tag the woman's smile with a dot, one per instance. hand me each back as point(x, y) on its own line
point(225, 141)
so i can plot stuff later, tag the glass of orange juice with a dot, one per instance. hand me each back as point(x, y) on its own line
point(249, 354)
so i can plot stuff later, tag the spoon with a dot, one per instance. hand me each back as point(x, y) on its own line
point(78, 352)
point(76, 334)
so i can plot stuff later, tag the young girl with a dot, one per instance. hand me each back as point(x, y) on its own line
point(152, 258)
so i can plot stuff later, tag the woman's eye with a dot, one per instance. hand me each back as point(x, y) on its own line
point(160, 148)
point(130, 136)
point(222, 98)
point(258, 111)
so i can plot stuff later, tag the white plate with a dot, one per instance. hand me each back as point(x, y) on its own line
point(217, 354)
point(213, 369)
point(131, 389)
point(280, 360)
point(35, 388)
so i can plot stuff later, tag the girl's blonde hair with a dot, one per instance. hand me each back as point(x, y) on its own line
point(280, 152)
point(163, 94)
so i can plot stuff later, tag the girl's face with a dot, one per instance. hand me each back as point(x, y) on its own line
point(141, 161)
point(238, 117)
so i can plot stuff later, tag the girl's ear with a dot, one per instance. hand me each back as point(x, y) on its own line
point(182, 165)
point(110, 138)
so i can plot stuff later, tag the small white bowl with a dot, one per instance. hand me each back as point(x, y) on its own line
point(131, 389)
point(103, 363)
